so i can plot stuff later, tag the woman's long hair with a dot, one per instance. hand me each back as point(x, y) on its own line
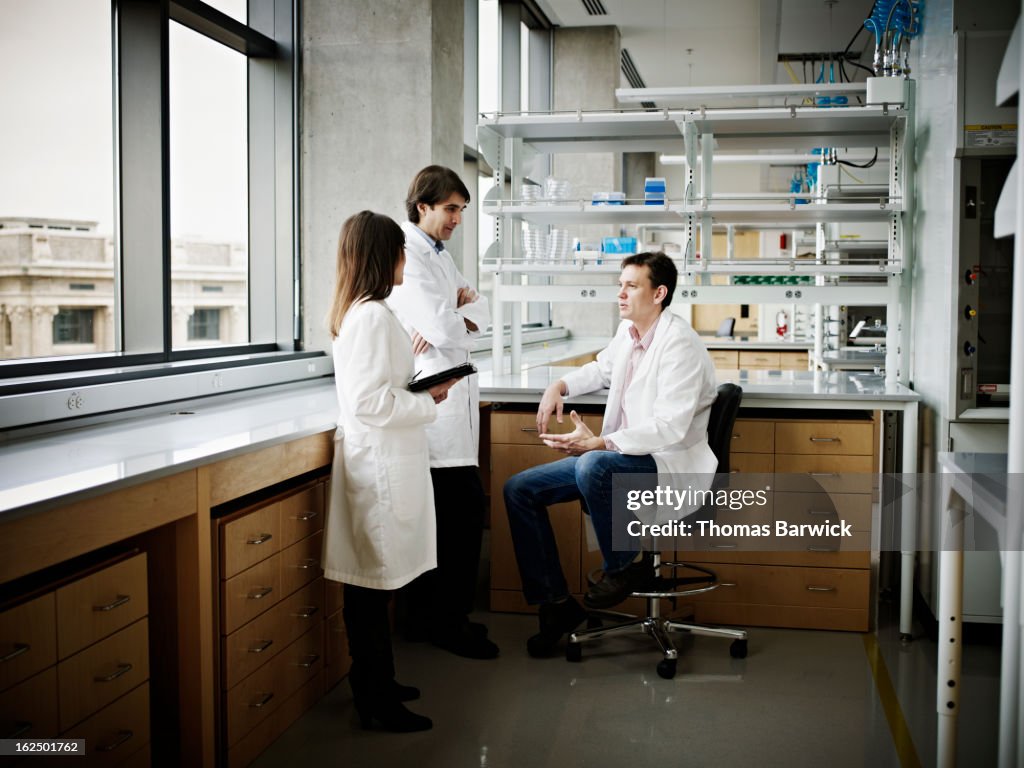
point(369, 248)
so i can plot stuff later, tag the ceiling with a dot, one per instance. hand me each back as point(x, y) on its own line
point(720, 42)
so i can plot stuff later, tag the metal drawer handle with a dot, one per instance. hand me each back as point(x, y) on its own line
point(21, 727)
point(260, 593)
point(812, 588)
point(727, 584)
point(736, 435)
point(813, 548)
point(820, 512)
point(825, 440)
point(310, 610)
point(723, 546)
point(823, 474)
point(261, 647)
point(121, 600)
point(122, 669)
point(309, 661)
point(19, 648)
point(263, 538)
point(306, 516)
point(262, 702)
point(309, 562)
point(527, 429)
point(122, 737)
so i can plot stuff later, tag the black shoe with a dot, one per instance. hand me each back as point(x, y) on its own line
point(466, 641)
point(391, 715)
point(556, 619)
point(616, 587)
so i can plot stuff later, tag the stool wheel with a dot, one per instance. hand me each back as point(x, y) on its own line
point(667, 668)
point(738, 649)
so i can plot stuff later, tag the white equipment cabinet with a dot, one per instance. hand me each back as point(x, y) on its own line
point(793, 121)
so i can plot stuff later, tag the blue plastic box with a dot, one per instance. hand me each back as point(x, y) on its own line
point(620, 245)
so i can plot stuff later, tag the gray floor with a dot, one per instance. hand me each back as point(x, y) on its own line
point(801, 698)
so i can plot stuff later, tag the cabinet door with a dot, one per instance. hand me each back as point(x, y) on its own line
point(506, 460)
point(28, 639)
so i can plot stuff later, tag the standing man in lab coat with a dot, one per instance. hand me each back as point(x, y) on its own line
point(444, 315)
point(661, 384)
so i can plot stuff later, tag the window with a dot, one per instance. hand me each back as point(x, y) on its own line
point(57, 171)
point(204, 325)
point(174, 120)
point(73, 326)
point(209, 178)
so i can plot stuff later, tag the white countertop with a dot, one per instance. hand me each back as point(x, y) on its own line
point(61, 467)
point(795, 386)
point(41, 472)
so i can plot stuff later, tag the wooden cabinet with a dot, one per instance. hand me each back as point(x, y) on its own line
point(272, 599)
point(76, 663)
point(824, 471)
point(733, 359)
point(515, 447)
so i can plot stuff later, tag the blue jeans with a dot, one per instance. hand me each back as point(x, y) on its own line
point(527, 496)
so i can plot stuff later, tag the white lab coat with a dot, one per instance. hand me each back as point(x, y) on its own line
point(427, 302)
point(668, 401)
point(380, 529)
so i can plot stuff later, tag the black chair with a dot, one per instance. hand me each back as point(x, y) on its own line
point(726, 327)
point(720, 430)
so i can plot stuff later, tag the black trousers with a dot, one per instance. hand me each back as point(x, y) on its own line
point(440, 601)
point(368, 627)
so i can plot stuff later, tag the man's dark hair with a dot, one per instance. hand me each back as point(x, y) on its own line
point(432, 185)
point(661, 268)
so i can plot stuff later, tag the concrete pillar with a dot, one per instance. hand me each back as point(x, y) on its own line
point(586, 74)
point(382, 96)
point(42, 330)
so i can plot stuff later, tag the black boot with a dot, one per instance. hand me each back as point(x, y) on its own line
point(377, 704)
point(556, 619)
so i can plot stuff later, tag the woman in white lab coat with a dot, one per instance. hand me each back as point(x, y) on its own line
point(380, 525)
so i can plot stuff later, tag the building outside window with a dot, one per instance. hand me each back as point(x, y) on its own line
point(204, 325)
point(73, 325)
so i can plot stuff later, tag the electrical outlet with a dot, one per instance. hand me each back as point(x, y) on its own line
point(75, 401)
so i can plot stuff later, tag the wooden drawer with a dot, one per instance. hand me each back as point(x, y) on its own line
point(751, 462)
point(516, 428)
point(810, 508)
point(793, 361)
point(252, 646)
point(302, 515)
point(825, 438)
point(263, 692)
point(300, 563)
point(250, 746)
point(28, 639)
point(565, 518)
point(829, 474)
point(101, 673)
point(29, 709)
point(750, 436)
point(249, 539)
point(100, 604)
point(784, 585)
point(115, 734)
point(760, 359)
point(725, 359)
point(250, 593)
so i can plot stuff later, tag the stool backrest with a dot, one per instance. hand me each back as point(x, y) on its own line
point(721, 422)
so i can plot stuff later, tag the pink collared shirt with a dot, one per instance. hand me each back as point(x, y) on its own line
point(640, 346)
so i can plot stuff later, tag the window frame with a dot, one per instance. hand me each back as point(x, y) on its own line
point(143, 275)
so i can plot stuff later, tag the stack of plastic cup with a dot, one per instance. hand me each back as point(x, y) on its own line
point(559, 245)
point(557, 189)
point(531, 193)
point(535, 243)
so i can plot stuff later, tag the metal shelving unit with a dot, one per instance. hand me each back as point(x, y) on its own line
point(511, 143)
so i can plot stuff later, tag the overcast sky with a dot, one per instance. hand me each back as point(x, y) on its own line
point(56, 136)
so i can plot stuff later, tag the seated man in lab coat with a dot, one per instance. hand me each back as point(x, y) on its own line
point(661, 384)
